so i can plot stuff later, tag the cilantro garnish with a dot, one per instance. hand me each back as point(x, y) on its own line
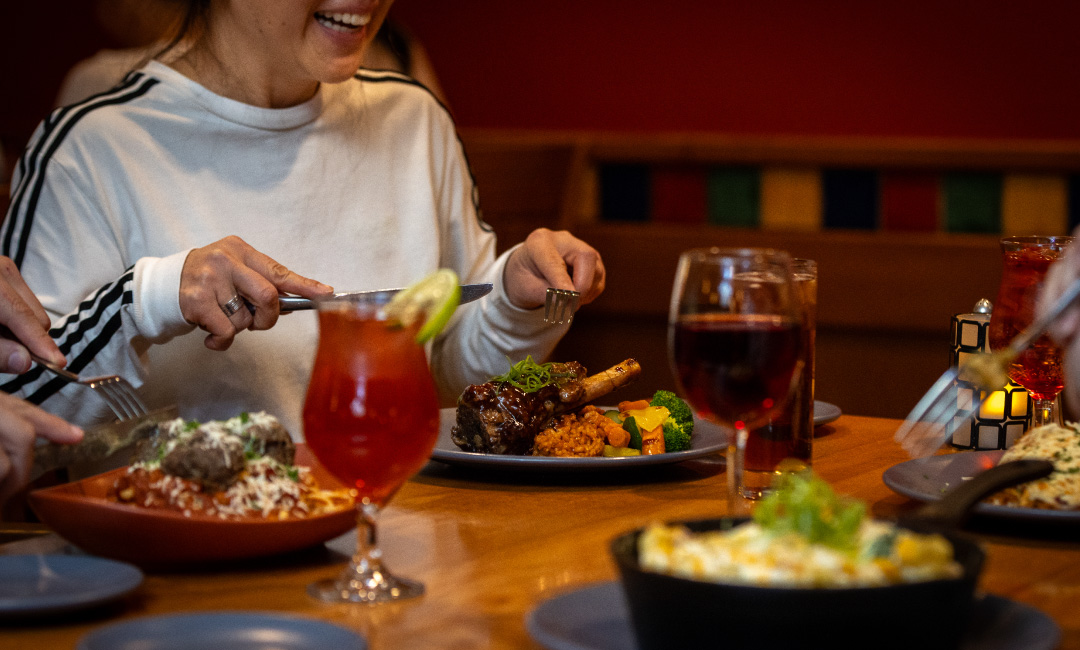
point(806, 505)
point(528, 376)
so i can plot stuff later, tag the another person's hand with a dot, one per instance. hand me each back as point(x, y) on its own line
point(219, 278)
point(1065, 330)
point(26, 320)
point(20, 423)
point(553, 259)
point(1061, 275)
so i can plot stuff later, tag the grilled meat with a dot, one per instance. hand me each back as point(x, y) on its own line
point(500, 418)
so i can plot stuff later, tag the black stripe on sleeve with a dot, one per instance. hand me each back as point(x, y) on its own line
point(62, 128)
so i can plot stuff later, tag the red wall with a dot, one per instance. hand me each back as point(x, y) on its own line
point(884, 67)
point(881, 67)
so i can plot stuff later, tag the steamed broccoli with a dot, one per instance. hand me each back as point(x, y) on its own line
point(679, 426)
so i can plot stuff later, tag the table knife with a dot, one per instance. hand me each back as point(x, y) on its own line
point(469, 293)
point(99, 442)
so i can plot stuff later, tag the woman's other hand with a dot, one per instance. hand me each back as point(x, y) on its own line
point(26, 320)
point(552, 259)
point(228, 286)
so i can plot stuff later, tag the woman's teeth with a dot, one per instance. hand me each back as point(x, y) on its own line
point(343, 22)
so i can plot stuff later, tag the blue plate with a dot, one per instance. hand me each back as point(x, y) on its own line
point(825, 413)
point(708, 439)
point(231, 630)
point(38, 584)
point(596, 617)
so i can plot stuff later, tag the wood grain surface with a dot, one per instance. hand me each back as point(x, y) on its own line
point(490, 546)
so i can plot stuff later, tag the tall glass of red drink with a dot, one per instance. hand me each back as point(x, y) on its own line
point(371, 417)
point(1039, 368)
point(735, 338)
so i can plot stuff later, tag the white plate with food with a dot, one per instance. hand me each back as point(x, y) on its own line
point(708, 438)
point(926, 479)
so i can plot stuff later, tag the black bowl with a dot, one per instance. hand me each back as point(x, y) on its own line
point(672, 612)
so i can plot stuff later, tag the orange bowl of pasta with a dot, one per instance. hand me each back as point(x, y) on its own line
point(89, 514)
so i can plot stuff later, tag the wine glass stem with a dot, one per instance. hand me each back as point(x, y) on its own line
point(1044, 411)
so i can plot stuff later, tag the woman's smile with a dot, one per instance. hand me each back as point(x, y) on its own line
point(343, 22)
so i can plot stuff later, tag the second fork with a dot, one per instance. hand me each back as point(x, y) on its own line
point(115, 390)
point(560, 305)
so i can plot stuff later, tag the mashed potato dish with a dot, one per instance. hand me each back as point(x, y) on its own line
point(803, 535)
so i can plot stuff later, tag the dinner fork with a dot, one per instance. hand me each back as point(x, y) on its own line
point(560, 305)
point(115, 390)
point(925, 428)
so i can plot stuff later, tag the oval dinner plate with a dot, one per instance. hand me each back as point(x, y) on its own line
point(40, 584)
point(596, 617)
point(80, 513)
point(225, 630)
point(926, 479)
point(708, 438)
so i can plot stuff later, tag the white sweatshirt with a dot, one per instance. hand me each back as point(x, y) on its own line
point(365, 186)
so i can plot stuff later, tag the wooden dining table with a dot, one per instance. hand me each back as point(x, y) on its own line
point(492, 545)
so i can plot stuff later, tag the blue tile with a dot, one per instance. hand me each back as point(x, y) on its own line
point(851, 198)
point(624, 192)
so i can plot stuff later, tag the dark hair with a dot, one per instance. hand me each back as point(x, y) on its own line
point(193, 21)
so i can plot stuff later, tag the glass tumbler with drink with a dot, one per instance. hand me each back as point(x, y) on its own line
point(735, 342)
point(789, 434)
point(371, 417)
point(1039, 368)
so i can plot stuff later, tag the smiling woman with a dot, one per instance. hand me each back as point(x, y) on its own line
point(326, 41)
point(253, 145)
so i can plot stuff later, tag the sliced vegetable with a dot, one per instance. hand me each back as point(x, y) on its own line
point(649, 417)
point(630, 424)
point(652, 441)
point(615, 452)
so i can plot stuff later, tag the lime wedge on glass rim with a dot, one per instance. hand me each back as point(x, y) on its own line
point(437, 296)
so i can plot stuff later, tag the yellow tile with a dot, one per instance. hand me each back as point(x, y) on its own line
point(791, 198)
point(1034, 204)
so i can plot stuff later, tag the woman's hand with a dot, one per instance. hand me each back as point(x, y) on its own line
point(26, 320)
point(552, 259)
point(229, 286)
point(20, 423)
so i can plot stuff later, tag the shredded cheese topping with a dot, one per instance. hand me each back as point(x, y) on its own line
point(1061, 489)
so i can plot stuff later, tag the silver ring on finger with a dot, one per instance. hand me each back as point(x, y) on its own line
point(233, 306)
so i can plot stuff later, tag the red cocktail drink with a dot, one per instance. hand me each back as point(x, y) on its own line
point(371, 414)
point(371, 417)
point(1039, 368)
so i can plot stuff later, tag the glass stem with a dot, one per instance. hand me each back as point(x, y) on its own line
point(366, 563)
point(1044, 411)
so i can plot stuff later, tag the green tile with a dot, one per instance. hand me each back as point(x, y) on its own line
point(734, 196)
point(972, 202)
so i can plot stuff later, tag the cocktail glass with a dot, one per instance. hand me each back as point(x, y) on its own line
point(1039, 368)
point(371, 417)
